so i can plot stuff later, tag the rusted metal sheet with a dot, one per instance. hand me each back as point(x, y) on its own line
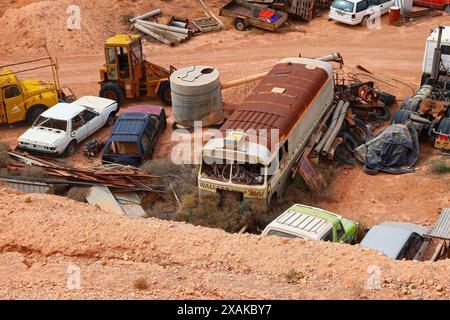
point(267, 109)
point(434, 108)
point(312, 179)
point(442, 228)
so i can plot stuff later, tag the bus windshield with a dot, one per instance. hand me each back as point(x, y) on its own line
point(238, 173)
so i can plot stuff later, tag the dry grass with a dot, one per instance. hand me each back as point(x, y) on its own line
point(140, 283)
point(211, 213)
point(33, 172)
point(78, 194)
point(440, 167)
point(4, 156)
point(293, 277)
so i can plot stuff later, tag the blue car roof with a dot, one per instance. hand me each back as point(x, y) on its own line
point(129, 126)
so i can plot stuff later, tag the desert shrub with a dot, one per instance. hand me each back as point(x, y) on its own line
point(78, 194)
point(210, 212)
point(140, 283)
point(182, 177)
point(440, 167)
point(4, 156)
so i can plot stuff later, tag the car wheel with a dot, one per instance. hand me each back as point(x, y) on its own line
point(239, 24)
point(112, 91)
point(70, 149)
point(365, 21)
point(34, 112)
point(401, 117)
point(111, 120)
point(164, 93)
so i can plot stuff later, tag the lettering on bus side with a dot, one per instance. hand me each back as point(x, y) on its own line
point(249, 193)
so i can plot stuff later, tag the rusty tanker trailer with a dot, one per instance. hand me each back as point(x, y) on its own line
point(263, 140)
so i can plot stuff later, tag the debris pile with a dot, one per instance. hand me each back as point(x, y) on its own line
point(172, 30)
point(118, 177)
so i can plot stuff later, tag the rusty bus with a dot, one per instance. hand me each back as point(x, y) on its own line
point(265, 137)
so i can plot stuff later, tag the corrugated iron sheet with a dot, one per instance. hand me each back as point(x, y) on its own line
point(442, 228)
point(30, 187)
point(131, 204)
point(266, 109)
point(103, 197)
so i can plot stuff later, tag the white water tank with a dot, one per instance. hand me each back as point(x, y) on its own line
point(196, 96)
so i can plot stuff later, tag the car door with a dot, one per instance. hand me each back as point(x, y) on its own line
point(93, 120)
point(14, 106)
point(385, 5)
point(78, 129)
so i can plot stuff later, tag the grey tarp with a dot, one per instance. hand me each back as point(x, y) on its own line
point(395, 147)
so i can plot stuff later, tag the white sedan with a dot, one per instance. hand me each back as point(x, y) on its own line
point(59, 129)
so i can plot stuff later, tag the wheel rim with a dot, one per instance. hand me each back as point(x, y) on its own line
point(110, 95)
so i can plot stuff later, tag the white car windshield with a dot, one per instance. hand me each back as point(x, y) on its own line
point(343, 5)
point(51, 123)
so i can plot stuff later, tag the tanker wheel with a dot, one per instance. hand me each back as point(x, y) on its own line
point(112, 91)
point(164, 93)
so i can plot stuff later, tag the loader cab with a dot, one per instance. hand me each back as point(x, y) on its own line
point(124, 63)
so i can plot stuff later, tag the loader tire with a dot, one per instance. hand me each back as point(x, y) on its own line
point(34, 112)
point(401, 117)
point(164, 93)
point(112, 91)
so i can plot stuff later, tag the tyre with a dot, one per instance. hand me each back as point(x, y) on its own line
point(70, 149)
point(369, 170)
point(112, 91)
point(164, 93)
point(365, 21)
point(444, 126)
point(343, 155)
point(239, 24)
point(401, 117)
point(111, 120)
point(361, 132)
point(34, 112)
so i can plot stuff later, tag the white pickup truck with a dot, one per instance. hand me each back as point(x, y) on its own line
point(58, 130)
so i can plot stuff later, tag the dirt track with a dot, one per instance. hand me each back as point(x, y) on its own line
point(175, 267)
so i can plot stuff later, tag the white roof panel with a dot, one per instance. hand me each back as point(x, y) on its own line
point(63, 111)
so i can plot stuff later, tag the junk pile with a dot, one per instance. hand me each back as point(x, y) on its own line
point(114, 188)
point(391, 151)
point(172, 30)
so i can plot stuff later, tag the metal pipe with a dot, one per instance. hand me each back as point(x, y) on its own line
point(243, 80)
point(169, 35)
point(324, 139)
point(163, 26)
point(335, 131)
point(437, 56)
point(335, 56)
point(152, 34)
point(146, 15)
point(179, 24)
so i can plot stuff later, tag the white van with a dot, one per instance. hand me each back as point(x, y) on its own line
point(355, 12)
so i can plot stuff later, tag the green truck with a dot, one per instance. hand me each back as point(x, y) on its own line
point(300, 221)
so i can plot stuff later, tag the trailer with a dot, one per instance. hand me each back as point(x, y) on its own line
point(247, 14)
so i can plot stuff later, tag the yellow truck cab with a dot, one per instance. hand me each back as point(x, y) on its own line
point(24, 99)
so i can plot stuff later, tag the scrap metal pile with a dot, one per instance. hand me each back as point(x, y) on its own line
point(172, 30)
point(118, 177)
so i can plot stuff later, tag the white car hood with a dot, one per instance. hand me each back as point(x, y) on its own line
point(42, 136)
